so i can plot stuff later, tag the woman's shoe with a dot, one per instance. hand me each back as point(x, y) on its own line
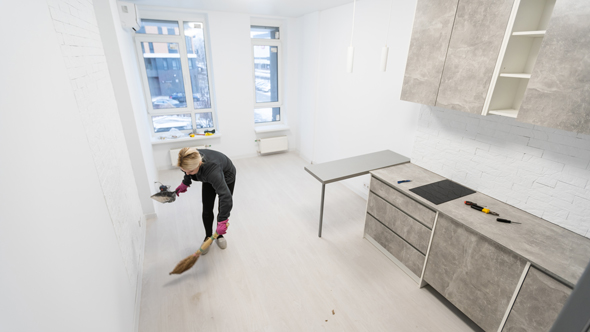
point(221, 242)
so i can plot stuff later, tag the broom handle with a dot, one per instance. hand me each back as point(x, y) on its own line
point(208, 242)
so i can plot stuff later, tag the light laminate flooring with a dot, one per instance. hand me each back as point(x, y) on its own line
point(276, 274)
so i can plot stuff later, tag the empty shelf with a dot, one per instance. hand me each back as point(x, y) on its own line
point(515, 75)
point(509, 113)
point(539, 33)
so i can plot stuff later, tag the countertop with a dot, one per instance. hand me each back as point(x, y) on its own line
point(551, 248)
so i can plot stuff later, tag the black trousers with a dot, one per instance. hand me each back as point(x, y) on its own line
point(208, 195)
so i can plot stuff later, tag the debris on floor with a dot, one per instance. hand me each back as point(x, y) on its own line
point(333, 313)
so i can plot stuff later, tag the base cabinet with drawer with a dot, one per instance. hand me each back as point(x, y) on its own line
point(503, 277)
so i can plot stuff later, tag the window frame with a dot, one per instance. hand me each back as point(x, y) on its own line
point(140, 38)
point(280, 67)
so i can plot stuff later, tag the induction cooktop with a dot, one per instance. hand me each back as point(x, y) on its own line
point(442, 191)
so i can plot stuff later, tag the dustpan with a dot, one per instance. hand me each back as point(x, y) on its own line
point(164, 196)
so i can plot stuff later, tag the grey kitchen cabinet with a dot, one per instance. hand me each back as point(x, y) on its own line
point(395, 245)
point(476, 38)
point(539, 293)
point(428, 49)
point(477, 275)
point(402, 224)
point(558, 93)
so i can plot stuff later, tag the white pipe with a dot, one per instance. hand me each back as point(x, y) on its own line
point(350, 59)
point(384, 52)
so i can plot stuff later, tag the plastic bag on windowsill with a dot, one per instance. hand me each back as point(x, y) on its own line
point(172, 134)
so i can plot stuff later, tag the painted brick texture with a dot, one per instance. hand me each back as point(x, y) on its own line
point(543, 171)
point(82, 50)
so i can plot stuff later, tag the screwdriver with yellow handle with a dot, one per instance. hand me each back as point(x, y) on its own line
point(480, 208)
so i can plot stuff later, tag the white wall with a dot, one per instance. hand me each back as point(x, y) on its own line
point(120, 55)
point(63, 249)
point(361, 112)
point(543, 171)
point(231, 70)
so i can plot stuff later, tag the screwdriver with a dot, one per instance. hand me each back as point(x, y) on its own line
point(507, 221)
point(480, 208)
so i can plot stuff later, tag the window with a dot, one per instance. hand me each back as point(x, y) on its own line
point(175, 74)
point(266, 50)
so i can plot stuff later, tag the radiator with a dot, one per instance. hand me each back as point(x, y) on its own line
point(273, 144)
point(174, 153)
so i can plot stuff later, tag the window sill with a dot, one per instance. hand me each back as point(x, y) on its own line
point(270, 128)
point(156, 140)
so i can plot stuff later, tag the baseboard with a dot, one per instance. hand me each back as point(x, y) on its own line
point(150, 216)
point(138, 288)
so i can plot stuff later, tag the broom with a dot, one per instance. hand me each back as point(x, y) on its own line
point(188, 262)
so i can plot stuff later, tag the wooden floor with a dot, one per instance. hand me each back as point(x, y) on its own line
point(276, 274)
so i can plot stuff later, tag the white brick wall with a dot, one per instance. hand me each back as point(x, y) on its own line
point(543, 171)
point(77, 32)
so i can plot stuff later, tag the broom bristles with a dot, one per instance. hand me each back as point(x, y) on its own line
point(186, 264)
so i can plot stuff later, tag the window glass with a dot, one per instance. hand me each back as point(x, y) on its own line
point(204, 120)
point(260, 32)
point(163, 123)
point(164, 75)
point(197, 58)
point(266, 73)
point(271, 114)
point(157, 27)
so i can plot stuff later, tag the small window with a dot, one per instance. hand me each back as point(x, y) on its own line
point(157, 27)
point(260, 32)
point(163, 123)
point(271, 114)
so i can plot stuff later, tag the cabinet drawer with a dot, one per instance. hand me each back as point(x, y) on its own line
point(403, 202)
point(399, 222)
point(395, 245)
point(538, 303)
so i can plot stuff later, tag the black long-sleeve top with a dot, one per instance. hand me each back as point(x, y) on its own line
point(218, 170)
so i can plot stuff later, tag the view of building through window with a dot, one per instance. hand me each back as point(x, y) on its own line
point(266, 47)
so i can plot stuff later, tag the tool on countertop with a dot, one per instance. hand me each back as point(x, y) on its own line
point(507, 221)
point(481, 208)
point(402, 181)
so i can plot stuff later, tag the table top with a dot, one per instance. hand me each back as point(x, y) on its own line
point(549, 247)
point(350, 167)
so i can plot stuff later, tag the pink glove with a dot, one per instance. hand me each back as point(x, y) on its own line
point(222, 227)
point(181, 189)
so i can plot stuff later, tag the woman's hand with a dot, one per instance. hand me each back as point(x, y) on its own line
point(222, 227)
point(181, 189)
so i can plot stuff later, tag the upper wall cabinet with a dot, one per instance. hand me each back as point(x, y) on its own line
point(475, 43)
point(525, 59)
point(558, 94)
point(428, 50)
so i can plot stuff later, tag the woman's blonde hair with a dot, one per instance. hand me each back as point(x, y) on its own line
point(189, 159)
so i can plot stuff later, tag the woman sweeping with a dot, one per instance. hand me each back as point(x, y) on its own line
point(218, 175)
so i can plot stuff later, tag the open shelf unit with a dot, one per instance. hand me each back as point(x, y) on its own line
point(518, 54)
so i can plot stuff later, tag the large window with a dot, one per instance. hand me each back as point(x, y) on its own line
point(175, 74)
point(266, 46)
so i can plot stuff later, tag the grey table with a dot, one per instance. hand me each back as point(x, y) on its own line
point(350, 167)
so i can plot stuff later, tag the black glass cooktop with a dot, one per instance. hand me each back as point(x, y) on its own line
point(442, 191)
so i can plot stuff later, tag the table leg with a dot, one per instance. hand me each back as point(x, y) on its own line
point(322, 209)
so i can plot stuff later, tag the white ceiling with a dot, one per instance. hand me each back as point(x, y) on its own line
point(287, 8)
